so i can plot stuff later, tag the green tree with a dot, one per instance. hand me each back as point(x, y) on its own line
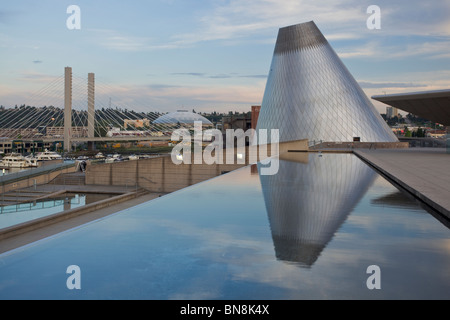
point(407, 132)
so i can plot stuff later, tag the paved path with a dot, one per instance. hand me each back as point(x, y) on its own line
point(425, 172)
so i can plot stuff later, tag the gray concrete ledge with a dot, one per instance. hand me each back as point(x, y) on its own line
point(423, 172)
point(62, 216)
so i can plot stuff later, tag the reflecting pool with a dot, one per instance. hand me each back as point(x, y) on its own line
point(309, 232)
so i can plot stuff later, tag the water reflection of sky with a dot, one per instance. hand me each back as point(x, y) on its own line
point(221, 239)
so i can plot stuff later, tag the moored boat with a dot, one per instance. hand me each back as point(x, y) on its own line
point(16, 160)
point(48, 155)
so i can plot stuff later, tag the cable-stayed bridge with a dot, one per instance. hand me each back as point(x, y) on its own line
point(68, 110)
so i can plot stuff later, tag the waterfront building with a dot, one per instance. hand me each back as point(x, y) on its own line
point(310, 94)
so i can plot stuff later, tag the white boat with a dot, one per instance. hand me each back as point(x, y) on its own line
point(16, 160)
point(99, 156)
point(48, 155)
point(133, 157)
point(113, 158)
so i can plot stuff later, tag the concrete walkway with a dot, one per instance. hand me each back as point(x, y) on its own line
point(424, 172)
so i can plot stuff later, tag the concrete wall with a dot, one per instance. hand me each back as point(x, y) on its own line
point(155, 175)
point(162, 175)
point(31, 179)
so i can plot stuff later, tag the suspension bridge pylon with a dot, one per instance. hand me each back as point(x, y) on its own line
point(68, 108)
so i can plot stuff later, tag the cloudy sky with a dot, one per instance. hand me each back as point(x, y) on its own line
point(164, 55)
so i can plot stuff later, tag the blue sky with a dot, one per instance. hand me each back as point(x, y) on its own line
point(164, 55)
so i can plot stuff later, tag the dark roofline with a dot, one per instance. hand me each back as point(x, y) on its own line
point(413, 95)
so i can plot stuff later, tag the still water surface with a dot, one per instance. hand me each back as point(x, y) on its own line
point(309, 232)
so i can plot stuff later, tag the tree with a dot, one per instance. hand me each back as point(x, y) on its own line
point(419, 132)
point(407, 132)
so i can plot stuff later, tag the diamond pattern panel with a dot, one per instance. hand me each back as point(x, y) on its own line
point(310, 94)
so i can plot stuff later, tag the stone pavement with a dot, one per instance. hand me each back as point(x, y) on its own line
point(424, 172)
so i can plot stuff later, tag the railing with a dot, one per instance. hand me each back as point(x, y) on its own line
point(148, 190)
point(313, 143)
point(424, 142)
point(142, 157)
point(134, 183)
point(33, 173)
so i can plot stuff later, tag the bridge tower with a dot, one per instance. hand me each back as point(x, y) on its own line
point(91, 109)
point(67, 108)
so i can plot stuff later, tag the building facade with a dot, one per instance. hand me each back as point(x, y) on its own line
point(310, 94)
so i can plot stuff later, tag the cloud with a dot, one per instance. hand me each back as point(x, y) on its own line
point(257, 76)
point(195, 74)
point(430, 48)
point(239, 18)
point(416, 18)
point(368, 84)
point(37, 61)
point(219, 76)
point(165, 98)
point(119, 41)
point(338, 20)
point(158, 86)
point(236, 22)
point(7, 17)
point(242, 19)
point(38, 77)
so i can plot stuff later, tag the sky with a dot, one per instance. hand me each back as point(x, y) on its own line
point(167, 55)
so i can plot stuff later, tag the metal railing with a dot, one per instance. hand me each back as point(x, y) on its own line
point(313, 143)
point(32, 172)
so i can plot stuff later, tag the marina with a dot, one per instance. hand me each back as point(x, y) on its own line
point(17, 160)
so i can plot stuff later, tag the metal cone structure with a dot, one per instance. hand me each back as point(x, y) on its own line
point(310, 94)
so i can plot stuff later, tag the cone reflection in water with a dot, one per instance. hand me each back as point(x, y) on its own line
point(307, 202)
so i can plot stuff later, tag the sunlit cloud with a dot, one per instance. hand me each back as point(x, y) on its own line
point(166, 97)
